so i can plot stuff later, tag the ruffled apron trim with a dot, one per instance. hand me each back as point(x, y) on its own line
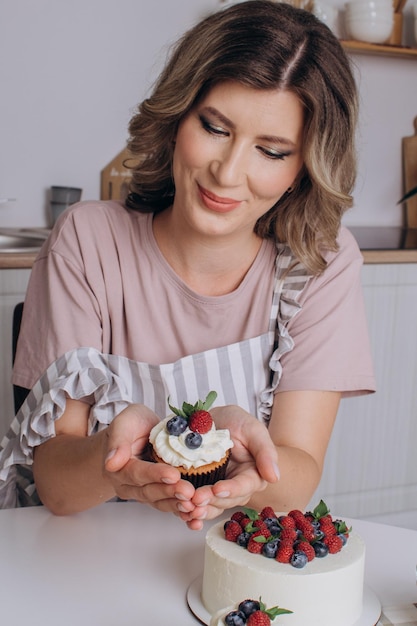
point(110, 383)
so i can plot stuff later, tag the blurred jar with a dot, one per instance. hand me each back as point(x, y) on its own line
point(371, 21)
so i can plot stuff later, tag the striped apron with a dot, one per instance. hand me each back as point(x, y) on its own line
point(245, 373)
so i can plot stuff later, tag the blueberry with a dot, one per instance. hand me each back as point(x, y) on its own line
point(247, 607)
point(343, 538)
point(193, 440)
point(299, 559)
point(176, 425)
point(273, 525)
point(270, 548)
point(275, 530)
point(320, 549)
point(243, 539)
point(235, 618)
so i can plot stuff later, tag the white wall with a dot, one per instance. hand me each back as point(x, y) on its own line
point(72, 71)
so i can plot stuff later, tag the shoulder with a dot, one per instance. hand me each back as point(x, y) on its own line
point(348, 251)
point(94, 225)
point(343, 271)
point(346, 262)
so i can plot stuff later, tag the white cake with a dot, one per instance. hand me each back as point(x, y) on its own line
point(326, 592)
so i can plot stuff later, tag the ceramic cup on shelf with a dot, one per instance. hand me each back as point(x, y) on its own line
point(62, 198)
point(371, 21)
point(328, 14)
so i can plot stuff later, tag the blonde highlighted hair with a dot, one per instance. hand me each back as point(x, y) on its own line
point(263, 45)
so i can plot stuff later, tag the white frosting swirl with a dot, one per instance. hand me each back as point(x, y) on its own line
point(172, 449)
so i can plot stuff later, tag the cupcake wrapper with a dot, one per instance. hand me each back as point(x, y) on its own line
point(207, 478)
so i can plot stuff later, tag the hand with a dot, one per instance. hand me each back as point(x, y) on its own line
point(253, 464)
point(133, 478)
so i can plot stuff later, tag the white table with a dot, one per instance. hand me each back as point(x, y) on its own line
point(124, 564)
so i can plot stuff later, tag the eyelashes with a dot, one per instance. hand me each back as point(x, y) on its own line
point(219, 131)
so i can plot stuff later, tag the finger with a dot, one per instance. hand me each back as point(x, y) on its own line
point(263, 451)
point(195, 525)
point(237, 489)
point(133, 424)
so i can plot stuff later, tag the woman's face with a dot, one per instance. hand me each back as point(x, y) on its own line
point(236, 153)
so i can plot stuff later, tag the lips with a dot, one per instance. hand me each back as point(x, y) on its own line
point(220, 204)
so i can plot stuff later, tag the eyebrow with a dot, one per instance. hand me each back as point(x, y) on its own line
point(269, 138)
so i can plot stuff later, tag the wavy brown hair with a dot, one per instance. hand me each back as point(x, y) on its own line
point(263, 45)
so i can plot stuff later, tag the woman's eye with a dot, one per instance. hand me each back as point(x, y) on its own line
point(274, 154)
point(212, 128)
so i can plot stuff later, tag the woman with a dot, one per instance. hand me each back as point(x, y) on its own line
point(226, 269)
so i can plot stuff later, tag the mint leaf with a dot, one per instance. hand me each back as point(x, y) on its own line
point(251, 513)
point(276, 610)
point(212, 395)
point(321, 510)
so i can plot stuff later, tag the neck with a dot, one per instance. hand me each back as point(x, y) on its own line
point(209, 265)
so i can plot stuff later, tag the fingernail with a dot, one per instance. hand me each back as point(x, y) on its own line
point(110, 455)
point(223, 494)
point(182, 508)
point(179, 496)
point(276, 470)
point(168, 481)
point(205, 503)
point(202, 515)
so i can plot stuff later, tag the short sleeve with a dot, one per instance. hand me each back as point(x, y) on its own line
point(331, 344)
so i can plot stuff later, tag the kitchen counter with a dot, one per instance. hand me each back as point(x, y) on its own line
point(378, 245)
point(20, 246)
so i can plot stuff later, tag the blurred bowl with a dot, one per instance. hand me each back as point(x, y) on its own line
point(370, 4)
point(371, 31)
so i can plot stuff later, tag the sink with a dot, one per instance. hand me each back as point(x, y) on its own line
point(20, 242)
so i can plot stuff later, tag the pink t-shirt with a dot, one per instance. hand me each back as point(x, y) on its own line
point(100, 281)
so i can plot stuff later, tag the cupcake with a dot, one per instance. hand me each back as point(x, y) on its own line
point(190, 441)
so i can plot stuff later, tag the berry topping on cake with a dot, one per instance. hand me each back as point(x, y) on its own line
point(200, 422)
point(296, 538)
point(249, 606)
point(253, 613)
point(232, 530)
point(195, 416)
point(235, 618)
point(193, 440)
point(176, 425)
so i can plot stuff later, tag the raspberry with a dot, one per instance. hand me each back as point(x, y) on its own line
point(307, 530)
point(286, 521)
point(267, 511)
point(307, 548)
point(298, 516)
point(200, 422)
point(232, 530)
point(245, 521)
point(289, 534)
point(285, 552)
point(255, 546)
point(328, 528)
point(258, 618)
point(260, 524)
point(238, 516)
point(334, 543)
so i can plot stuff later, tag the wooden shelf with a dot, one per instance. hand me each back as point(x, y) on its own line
point(361, 47)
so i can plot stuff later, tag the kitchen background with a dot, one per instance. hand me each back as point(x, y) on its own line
point(71, 74)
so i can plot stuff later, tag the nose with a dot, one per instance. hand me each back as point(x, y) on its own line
point(229, 166)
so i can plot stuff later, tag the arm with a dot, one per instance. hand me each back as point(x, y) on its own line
point(74, 472)
point(299, 433)
point(301, 426)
